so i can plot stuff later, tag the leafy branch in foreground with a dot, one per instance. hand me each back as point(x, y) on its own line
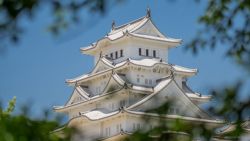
point(226, 22)
point(23, 128)
point(63, 14)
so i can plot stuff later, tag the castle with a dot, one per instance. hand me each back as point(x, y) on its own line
point(131, 76)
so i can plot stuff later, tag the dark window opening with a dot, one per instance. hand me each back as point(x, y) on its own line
point(111, 55)
point(121, 53)
point(154, 53)
point(140, 51)
point(116, 55)
point(146, 52)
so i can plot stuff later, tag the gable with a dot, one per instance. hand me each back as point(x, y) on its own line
point(76, 97)
point(101, 65)
point(114, 83)
point(149, 29)
point(177, 102)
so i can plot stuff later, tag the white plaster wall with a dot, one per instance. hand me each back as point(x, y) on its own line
point(130, 49)
point(134, 123)
point(113, 125)
point(245, 137)
point(91, 130)
point(161, 52)
point(145, 73)
point(97, 85)
point(112, 48)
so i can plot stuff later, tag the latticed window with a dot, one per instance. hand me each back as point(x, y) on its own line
point(150, 81)
point(134, 128)
point(107, 130)
point(117, 128)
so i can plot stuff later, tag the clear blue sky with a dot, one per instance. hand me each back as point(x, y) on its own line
point(35, 70)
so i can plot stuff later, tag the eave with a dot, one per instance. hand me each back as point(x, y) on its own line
point(126, 112)
point(95, 46)
point(176, 69)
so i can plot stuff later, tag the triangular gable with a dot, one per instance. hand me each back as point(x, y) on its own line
point(114, 83)
point(171, 92)
point(101, 65)
point(76, 96)
point(148, 28)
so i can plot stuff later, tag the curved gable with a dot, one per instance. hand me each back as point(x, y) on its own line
point(177, 101)
point(114, 83)
point(77, 96)
point(149, 28)
point(101, 65)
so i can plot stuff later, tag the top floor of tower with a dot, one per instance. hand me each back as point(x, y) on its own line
point(137, 40)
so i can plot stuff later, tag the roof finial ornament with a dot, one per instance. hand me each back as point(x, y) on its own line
point(113, 24)
point(148, 13)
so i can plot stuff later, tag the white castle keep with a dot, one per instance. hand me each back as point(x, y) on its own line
point(131, 76)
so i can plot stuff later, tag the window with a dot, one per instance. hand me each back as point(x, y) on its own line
point(116, 54)
point(138, 126)
point(146, 52)
point(154, 53)
point(133, 126)
point(150, 81)
point(138, 80)
point(121, 53)
point(146, 81)
point(122, 103)
point(177, 111)
point(107, 131)
point(171, 110)
point(140, 51)
point(111, 55)
point(117, 128)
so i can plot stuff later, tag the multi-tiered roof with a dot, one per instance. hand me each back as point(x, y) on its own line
point(131, 77)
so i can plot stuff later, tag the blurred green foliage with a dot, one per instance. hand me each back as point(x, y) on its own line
point(63, 14)
point(22, 128)
point(226, 22)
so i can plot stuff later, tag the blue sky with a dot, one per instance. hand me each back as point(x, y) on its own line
point(35, 70)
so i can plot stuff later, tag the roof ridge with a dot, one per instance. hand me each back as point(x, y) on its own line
point(131, 22)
